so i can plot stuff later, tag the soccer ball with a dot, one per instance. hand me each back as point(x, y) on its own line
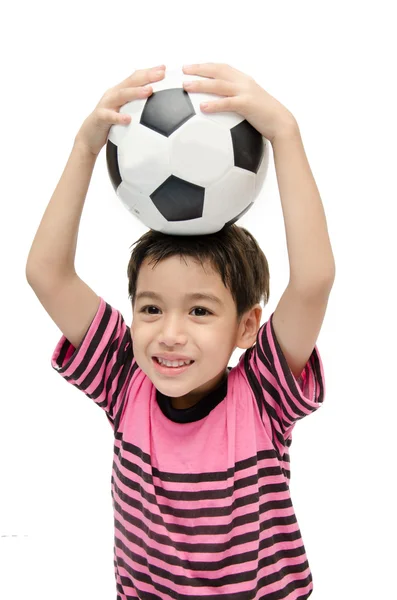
point(181, 171)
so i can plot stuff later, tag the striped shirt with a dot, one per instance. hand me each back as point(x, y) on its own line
point(201, 499)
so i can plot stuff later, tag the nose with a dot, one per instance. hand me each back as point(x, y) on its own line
point(172, 332)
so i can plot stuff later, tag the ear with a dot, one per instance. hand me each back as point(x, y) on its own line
point(249, 327)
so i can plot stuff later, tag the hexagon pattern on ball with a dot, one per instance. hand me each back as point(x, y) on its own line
point(179, 170)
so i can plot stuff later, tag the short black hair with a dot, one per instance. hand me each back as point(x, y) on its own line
point(233, 252)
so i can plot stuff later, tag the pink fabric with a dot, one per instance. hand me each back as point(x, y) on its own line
point(201, 509)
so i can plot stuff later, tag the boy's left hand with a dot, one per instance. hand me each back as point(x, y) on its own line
point(243, 96)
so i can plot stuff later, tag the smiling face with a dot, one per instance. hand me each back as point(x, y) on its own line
point(173, 323)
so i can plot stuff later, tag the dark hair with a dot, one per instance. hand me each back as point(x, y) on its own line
point(233, 252)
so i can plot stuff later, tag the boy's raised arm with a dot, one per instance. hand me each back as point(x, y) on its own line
point(53, 250)
point(50, 267)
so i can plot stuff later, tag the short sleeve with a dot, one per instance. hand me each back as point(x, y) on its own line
point(284, 398)
point(103, 363)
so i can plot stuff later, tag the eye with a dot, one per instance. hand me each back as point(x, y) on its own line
point(208, 312)
point(143, 310)
point(204, 309)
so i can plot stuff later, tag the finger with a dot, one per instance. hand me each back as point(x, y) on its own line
point(224, 105)
point(142, 77)
point(212, 70)
point(115, 98)
point(112, 117)
point(212, 86)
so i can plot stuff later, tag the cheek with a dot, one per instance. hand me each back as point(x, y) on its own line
point(138, 338)
point(215, 343)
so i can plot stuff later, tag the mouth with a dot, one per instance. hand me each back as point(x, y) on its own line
point(172, 371)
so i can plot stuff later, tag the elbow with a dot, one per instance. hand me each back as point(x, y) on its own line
point(315, 286)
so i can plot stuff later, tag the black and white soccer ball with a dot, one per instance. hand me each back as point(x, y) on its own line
point(181, 171)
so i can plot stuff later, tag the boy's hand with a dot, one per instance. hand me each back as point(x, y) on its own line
point(243, 96)
point(95, 129)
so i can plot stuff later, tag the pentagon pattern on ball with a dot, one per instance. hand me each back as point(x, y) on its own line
point(248, 147)
point(167, 110)
point(181, 171)
point(179, 200)
point(113, 164)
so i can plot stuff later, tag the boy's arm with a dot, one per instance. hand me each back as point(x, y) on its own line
point(299, 315)
point(50, 268)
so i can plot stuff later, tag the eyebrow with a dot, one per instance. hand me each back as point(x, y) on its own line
point(196, 296)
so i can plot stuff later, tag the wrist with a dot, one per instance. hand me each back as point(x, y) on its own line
point(287, 128)
point(83, 149)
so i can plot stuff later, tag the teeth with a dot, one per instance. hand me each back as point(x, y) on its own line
point(173, 363)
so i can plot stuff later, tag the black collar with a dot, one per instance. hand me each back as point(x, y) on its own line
point(197, 411)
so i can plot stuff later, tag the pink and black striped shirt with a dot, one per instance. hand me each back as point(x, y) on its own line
point(201, 499)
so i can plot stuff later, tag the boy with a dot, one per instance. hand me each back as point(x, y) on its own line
point(200, 478)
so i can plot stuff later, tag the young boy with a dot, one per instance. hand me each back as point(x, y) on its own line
point(200, 477)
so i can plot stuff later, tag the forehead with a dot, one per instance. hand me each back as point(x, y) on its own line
point(179, 274)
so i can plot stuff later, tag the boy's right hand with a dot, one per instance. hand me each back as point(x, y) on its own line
point(94, 132)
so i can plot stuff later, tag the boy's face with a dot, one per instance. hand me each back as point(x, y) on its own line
point(202, 330)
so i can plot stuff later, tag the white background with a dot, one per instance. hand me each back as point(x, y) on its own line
point(333, 65)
